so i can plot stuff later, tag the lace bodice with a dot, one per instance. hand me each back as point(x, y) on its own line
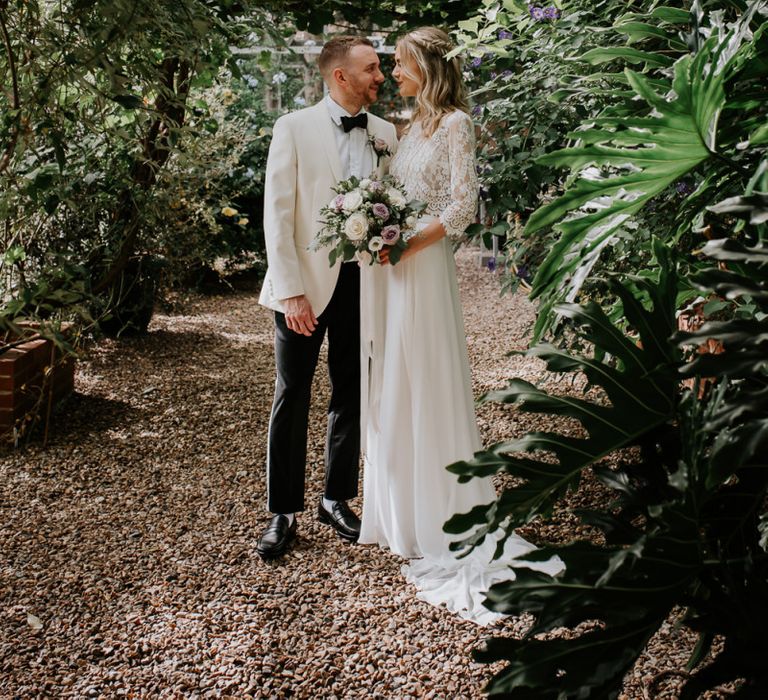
point(440, 171)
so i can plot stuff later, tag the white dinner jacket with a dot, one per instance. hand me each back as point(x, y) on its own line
point(302, 167)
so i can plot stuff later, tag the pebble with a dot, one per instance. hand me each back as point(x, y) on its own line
point(132, 535)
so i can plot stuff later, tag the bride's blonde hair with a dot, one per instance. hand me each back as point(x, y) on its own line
point(442, 87)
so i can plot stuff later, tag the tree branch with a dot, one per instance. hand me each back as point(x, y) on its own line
point(170, 107)
point(11, 147)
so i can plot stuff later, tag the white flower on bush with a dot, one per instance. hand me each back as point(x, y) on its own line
point(353, 200)
point(356, 226)
point(396, 197)
point(376, 243)
point(364, 257)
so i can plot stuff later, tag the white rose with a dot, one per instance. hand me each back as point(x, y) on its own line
point(410, 222)
point(376, 243)
point(353, 200)
point(395, 197)
point(356, 226)
point(364, 257)
point(365, 183)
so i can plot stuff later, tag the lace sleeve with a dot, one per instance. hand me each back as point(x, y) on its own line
point(460, 213)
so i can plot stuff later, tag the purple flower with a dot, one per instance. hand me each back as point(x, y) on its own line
point(339, 201)
point(380, 211)
point(491, 264)
point(493, 74)
point(504, 34)
point(391, 234)
point(375, 186)
point(541, 13)
point(476, 62)
point(507, 73)
point(477, 110)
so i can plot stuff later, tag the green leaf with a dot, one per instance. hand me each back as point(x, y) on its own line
point(759, 135)
point(638, 31)
point(640, 393)
point(624, 163)
point(611, 53)
point(129, 101)
point(672, 15)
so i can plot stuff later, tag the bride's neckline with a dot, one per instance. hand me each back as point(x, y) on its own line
point(441, 124)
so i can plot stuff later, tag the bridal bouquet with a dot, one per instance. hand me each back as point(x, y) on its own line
point(365, 217)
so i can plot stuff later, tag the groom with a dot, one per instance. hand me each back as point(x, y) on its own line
point(312, 150)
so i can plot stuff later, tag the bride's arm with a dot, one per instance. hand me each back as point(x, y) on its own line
point(460, 213)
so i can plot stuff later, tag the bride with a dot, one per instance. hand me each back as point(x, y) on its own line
point(419, 409)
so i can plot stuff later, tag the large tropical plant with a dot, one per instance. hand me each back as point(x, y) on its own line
point(518, 57)
point(685, 530)
point(701, 117)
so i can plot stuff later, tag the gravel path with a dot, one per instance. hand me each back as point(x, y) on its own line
point(127, 562)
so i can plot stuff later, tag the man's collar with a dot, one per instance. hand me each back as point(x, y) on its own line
point(337, 111)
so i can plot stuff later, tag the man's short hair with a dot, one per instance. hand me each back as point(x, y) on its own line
point(336, 50)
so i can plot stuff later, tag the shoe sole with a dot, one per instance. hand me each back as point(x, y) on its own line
point(327, 520)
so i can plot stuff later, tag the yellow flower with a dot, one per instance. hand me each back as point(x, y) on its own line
point(229, 211)
point(243, 221)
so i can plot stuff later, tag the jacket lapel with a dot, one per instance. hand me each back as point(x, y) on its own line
point(377, 131)
point(325, 128)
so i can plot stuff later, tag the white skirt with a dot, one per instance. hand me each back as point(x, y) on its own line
point(418, 414)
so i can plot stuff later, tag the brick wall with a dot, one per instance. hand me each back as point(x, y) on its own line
point(26, 378)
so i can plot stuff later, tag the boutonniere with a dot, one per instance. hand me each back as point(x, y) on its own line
point(380, 148)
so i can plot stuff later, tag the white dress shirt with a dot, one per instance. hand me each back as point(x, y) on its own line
point(355, 150)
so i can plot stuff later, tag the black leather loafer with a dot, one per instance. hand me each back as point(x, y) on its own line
point(276, 537)
point(340, 518)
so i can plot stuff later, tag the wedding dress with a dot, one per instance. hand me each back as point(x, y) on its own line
point(418, 406)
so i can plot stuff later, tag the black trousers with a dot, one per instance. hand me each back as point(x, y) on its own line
point(296, 359)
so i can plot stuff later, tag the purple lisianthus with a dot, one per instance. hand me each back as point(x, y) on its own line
point(390, 234)
point(339, 202)
point(476, 62)
point(537, 13)
point(380, 211)
point(504, 34)
point(551, 12)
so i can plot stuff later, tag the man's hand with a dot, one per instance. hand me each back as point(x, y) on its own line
point(299, 316)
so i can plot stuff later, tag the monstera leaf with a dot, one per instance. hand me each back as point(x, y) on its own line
point(624, 161)
point(684, 530)
point(640, 391)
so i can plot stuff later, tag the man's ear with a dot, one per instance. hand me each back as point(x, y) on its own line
point(338, 77)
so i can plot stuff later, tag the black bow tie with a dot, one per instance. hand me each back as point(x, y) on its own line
point(350, 123)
